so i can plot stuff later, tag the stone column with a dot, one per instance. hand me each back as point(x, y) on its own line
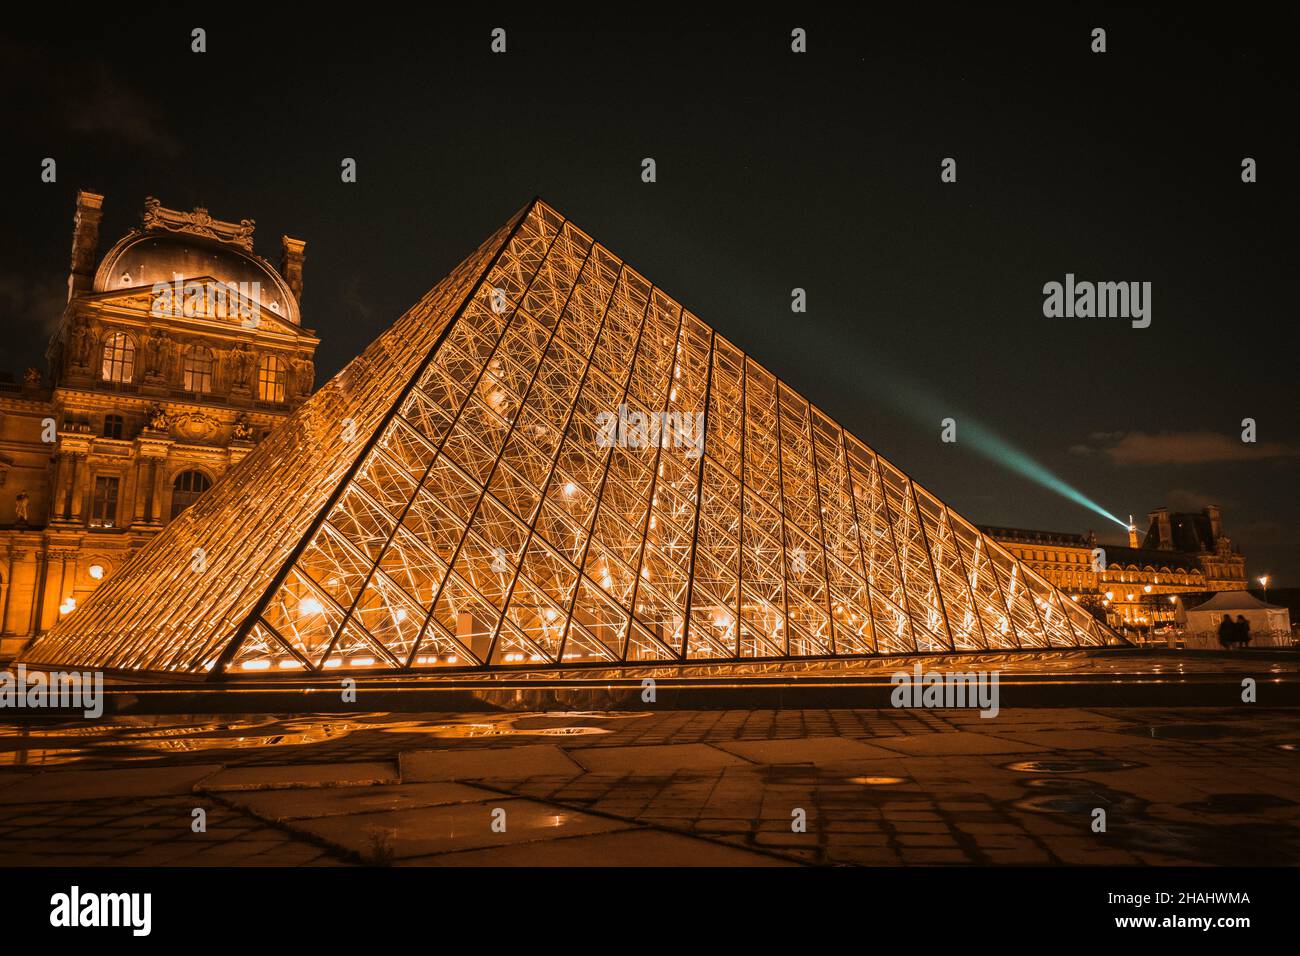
point(9, 589)
point(156, 492)
point(139, 491)
point(79, 486)
point(74, 465)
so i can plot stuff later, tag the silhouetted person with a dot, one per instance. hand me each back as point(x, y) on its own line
point(1226, 632)
point(1243, 630)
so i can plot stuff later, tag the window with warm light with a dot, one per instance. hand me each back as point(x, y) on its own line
point(119, 358)
point(271, 375)
point(196, 369)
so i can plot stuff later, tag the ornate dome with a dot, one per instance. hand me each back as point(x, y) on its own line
point(148, 256)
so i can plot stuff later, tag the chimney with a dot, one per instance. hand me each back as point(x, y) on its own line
point(1216, 523)
point(1165, 535)
point(85, 242)
point(292, 257)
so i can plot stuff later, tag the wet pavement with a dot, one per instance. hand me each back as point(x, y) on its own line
point(1215, 786)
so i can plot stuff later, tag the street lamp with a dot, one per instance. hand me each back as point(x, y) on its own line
point(1263, 580)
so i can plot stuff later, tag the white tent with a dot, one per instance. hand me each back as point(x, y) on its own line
point(1270, 625)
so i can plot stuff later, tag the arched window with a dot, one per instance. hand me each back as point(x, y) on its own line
point(186, 489)
point(119, 358)
point(196, 369)
point(271, 378)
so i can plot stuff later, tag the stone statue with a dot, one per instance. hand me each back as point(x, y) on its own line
point(157, 418)
point(20, 507)
point(243, 430)
point(154, 346)
point(304, 374)
point(242, 361)
point(81, 344)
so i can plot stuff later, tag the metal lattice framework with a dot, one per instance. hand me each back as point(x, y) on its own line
point(512, 476)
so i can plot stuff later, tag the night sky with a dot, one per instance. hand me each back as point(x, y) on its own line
point(775, 171)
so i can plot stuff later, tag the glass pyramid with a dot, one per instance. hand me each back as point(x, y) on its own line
point(549, 462)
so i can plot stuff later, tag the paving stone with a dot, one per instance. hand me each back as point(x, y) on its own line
point(814, 750)
point(100, 784)
point(333, 801)
point(426, 766)
point(957, 743)
point(302, 775)
point(640, 847)
point(1081, 740)
point(665, 759)
point(428, 830)
point(9, 779)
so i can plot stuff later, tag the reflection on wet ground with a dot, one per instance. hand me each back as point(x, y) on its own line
point(1083, 765)
point(149, 738)
point(879, 786)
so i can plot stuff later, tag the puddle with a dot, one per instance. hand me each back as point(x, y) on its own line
point(1077, 798)
point(1130, 827)
point(1238, 803)
point(135, 739)
point(1072, 765)
point(566, 731)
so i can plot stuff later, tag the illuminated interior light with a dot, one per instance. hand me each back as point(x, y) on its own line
point(68, 606)
point(256, 665)
point(96, 571)
point(361, 662)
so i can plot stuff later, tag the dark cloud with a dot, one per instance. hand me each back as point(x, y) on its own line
point(1187, 499)
point(1181, 448)
point(104, 105)
point(32, 305)
point(85, 97)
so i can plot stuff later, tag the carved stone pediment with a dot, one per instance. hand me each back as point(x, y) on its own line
point(197, 222)
point(195, 426)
